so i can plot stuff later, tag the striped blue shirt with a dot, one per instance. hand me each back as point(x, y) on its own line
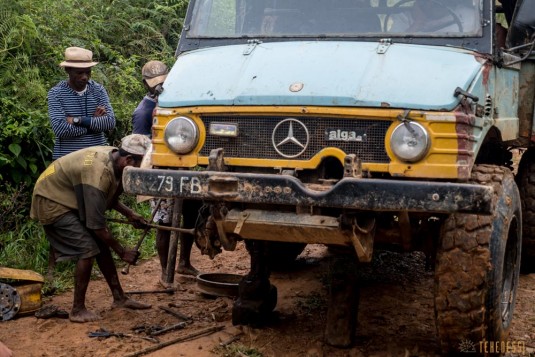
point(63, 102)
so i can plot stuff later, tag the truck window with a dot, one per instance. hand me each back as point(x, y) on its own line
point(215, 18)
point(343, 18)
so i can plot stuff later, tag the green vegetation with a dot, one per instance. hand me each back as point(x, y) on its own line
point(123, 35)
point(312, 304)
point(237, 350)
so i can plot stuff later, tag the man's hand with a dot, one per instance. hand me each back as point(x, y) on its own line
point(130, 256)
point(5, 351)
point(101, 111)
point(138, 221)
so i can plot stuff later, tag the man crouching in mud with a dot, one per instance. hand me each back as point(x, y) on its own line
point(70, 199)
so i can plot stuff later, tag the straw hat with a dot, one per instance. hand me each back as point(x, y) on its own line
point(77, 57)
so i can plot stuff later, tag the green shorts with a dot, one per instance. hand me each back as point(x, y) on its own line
point(70, 238)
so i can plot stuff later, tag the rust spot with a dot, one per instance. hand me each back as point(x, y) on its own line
point(464, 128)
point(486, 72)
point(385, 105)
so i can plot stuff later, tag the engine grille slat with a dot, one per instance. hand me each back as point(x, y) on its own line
point(254, 138)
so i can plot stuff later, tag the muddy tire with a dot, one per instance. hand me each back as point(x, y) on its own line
point(526, 184)
point(477, 269)
point(282, 255)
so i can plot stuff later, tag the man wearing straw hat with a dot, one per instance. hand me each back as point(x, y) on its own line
point(79, 108)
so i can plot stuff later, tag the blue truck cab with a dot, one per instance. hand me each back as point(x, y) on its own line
point(361, 125)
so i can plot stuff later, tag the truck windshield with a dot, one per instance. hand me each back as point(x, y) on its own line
point(335, 18)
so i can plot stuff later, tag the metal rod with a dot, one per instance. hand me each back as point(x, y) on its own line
point(145, 232)
point(175, 313)
point(188, 337)
point(177, 326)
point(173, 241)
point(157, 226)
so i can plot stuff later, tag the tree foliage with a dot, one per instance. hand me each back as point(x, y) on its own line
point(123, 35)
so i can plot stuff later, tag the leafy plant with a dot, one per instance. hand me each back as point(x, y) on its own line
point(123, 35)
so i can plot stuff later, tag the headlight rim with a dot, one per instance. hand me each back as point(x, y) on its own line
point(195, 135)
point(423, 152)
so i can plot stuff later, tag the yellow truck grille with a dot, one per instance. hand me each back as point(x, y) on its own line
point(265, 137)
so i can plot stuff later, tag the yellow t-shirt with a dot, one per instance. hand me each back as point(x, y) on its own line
point(82, 181)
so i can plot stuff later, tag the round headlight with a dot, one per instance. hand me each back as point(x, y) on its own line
point(409, 141)
point(181, 135)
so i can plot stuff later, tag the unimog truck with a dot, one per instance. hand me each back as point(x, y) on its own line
point(361, 125)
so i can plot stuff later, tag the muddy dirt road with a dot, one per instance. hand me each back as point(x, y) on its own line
point(395, 315)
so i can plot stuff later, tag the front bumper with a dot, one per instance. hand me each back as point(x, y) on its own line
point(348, 193)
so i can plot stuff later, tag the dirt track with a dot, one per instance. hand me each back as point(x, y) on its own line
point(395, 315)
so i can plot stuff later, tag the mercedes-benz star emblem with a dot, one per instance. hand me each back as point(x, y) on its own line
point(290, 138)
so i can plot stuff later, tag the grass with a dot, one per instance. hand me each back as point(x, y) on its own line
point(128, 235)
point(237, 350)
point(25, 248)
point(312, 303)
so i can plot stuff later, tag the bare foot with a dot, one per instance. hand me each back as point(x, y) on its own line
point(165, 284)
point(187, 270)
point(130, 304)
point(83, 315)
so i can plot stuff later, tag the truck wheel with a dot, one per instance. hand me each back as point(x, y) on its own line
point(477, 268)
point(283, 254)
point(526, 184)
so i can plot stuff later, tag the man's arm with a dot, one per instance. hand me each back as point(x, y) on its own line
point(97, 180)
point(128, 255)
point(58, 118)
point(103, 119)
point(138, 220)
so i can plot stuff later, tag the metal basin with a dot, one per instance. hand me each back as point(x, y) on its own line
point(218, 284)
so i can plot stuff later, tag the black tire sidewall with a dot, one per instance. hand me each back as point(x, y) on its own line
point(503, 215)
point(526, 169)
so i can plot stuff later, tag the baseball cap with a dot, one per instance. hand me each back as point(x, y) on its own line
point(77, 57)
point(136, 144)
point(154, 73)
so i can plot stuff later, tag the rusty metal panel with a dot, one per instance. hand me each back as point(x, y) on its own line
point(506, 102)
point(278, 226)
point(350, 193)
point(526, 98)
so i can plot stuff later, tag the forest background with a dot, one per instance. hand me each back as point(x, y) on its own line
point(123, 35)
